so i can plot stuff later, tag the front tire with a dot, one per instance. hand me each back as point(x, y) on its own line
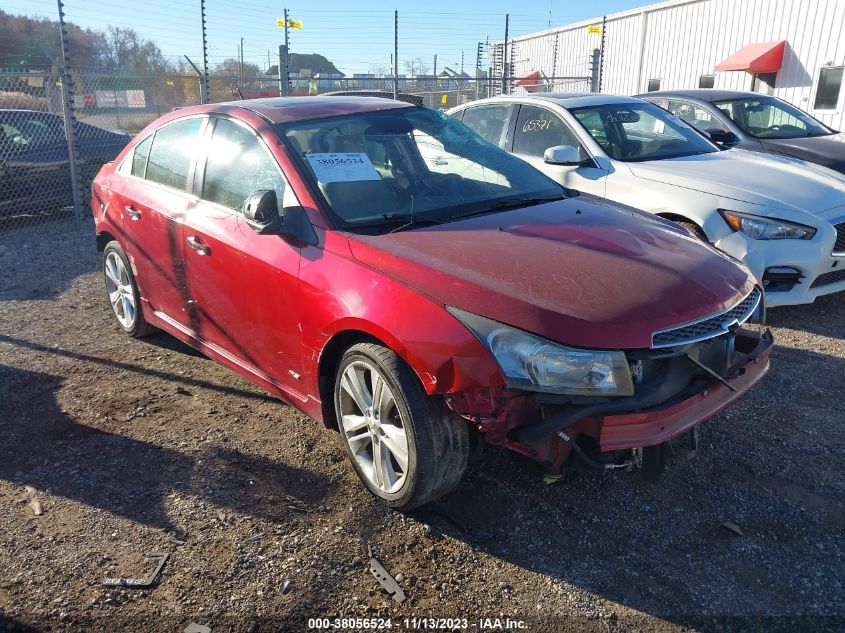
point(405, 446)
point(122, 292)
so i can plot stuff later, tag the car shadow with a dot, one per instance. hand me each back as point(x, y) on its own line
point(46, 448)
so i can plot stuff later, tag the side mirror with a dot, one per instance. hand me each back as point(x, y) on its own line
point(562, 155)
point(720, 136)
point(261, 210)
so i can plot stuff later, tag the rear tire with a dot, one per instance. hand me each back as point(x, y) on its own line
point(406, 447)
point(122, 292)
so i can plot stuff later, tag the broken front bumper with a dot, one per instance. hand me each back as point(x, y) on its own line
point(661, 424)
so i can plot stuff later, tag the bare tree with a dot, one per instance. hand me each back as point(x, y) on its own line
point(124, 50)
point(232, 67)
point(416, 66)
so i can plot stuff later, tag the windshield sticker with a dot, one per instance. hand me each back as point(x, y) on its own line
point(342, 167)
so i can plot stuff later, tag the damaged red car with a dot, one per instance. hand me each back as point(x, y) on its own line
point(384, 269)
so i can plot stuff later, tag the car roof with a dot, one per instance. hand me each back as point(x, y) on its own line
point(704, 94)
point(565, 99)
point(292, 109)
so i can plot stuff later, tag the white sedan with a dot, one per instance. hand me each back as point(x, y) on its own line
point(784, 218)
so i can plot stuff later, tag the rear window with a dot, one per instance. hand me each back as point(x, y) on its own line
point(170, 157)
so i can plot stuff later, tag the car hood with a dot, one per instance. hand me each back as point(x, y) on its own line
point(576, 271)
point(824, 150)
point(751, 177)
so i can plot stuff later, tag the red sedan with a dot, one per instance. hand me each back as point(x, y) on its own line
point(387, 271)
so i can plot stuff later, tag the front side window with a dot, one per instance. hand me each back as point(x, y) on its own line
point(538, 129)
point(695, 115)
point(374, 168)
point(640, 132)
point(830, 84)
point(768, 117)
point(238, 165)
point(171, 153)
point(488, 120)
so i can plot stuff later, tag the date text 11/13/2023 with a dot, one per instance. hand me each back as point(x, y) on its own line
point(447, 624)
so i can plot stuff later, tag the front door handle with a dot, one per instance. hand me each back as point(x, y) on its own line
point(134, 214)
point(199, 247)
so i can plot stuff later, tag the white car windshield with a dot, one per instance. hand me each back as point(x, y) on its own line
point(641, 132)
point(403, 167)
point(767, 117)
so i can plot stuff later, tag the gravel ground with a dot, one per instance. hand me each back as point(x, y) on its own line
point(130, 447)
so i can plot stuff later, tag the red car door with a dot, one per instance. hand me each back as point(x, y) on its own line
point(155, 200)
point(244, 286)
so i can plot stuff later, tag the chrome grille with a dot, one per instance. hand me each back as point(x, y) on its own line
point(839, 247)
point(708, 327)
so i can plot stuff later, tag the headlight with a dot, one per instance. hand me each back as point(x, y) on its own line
point(760, 228)
point(533, 363)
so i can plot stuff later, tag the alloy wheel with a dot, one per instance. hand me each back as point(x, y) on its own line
point(373, 427)
point(119, 288)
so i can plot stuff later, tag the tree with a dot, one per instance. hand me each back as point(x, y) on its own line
point(125, 51)
point(232, 67)
point(416, 66)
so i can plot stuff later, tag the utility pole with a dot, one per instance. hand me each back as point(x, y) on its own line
point(505, 57)
point(435, 67)
point(395, 53)
point(462, 62)
point(287, 58)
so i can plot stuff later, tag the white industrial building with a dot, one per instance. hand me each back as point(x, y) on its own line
point(793, 49)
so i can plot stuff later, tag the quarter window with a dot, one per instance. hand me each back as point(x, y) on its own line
point(488, 121)
point(537, 130)
point(238, 165)
point(139, 157)
point(830, 84)
point(170, 156)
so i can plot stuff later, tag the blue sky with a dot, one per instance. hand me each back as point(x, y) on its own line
point(356, 36)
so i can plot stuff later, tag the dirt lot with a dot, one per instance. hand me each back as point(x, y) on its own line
point(138, 446)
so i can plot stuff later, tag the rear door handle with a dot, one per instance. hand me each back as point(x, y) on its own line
point(134, 214)
point(198, 246)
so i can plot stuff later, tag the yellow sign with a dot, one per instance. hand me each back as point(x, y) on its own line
point(293, 24)
point(594, 28)
point(443, 99)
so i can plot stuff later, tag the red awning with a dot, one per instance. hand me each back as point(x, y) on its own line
point(531, 79)
point(766, 57)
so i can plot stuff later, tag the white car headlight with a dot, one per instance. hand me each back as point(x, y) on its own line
point(760, 228)
point(535, 364)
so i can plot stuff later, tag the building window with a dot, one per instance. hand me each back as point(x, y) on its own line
point(764, 83)
point(653, 85)
point(830, 84)
point(706, 81)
